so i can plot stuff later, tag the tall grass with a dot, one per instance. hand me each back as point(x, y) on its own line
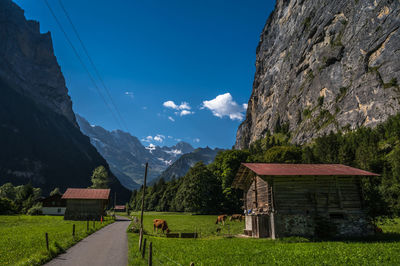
point(204, 225)
point(217, 249)
point(22, 238)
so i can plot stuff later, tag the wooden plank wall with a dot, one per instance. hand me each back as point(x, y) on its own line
point(305, 194)
point(262, 194)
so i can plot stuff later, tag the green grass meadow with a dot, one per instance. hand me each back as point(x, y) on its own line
point(22, 237)
point(222, 249)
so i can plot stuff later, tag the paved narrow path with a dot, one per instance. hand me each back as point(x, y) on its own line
point(108, 246)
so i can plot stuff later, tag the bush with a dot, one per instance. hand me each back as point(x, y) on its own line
point(7, 206)
point(36, 209)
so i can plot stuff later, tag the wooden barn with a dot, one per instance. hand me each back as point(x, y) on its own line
point(86, 203)
point(302, 200)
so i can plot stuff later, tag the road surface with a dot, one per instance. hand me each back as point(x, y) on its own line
point(108, 246)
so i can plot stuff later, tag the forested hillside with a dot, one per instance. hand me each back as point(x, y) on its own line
point(207, 189)
point(181, 166)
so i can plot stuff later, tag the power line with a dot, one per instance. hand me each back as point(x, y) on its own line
point(92, 63)
point(81, 61)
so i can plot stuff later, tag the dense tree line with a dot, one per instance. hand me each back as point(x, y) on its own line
point(19, 199)
point(207, 189)
point(25, 199)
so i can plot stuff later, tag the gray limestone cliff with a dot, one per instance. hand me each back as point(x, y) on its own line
point(324, 66)
point(28, 61)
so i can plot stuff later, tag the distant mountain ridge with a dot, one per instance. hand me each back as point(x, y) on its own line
point(181, 166)
point(127, 156)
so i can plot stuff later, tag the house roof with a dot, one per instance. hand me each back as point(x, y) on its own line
point(247, 171)
point(86, 193)
point(54, 201)
point(280, 169)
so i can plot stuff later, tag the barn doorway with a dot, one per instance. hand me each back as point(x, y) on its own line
point(258, 226)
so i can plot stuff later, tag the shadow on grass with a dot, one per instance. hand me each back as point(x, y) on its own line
point(378, 238)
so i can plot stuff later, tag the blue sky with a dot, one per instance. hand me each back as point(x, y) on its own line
point(177, 70)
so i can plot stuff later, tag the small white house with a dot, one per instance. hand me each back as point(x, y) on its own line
point(54, 205)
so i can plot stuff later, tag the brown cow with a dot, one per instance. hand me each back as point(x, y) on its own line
point(221, 219)
point(236, 217)
point(162, 224)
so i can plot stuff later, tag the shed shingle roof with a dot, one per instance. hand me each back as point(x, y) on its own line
point(280, 169)
point(86, 193)
point(247, 171)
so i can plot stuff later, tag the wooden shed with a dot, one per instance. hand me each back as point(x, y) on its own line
point(86, 203)
point(302, 200)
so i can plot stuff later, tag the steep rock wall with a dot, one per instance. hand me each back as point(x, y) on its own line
point(324, 66)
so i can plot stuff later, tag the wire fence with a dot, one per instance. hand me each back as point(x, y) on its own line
point(154, 254)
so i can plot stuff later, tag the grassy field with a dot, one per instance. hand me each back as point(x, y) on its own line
point(22, 240)
point(219, 249)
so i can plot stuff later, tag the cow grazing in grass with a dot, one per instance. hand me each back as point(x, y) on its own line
point(237, 217)
point(221, 219)
point(160, 224)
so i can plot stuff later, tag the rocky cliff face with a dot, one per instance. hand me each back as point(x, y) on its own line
point(39, 138)
point(324, 65)
point(28, 61)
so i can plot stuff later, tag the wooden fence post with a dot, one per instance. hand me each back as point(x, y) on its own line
point(47, 241)
point(144, 248)
point(140, 238)
point(150, 254)
point(87, 225)
point(94, 225)
point(73, 230)
point(143, 195)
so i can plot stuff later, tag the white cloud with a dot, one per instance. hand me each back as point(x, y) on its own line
point(196, 140)
point(144, 107)
point(245, 105)
point(186, 112)
point(170, 118)
point(148, 139)
point(184, 106)
point(224, 105)
point(170, 137)
point(129, 94)
point(159, 138)
point(172, 105)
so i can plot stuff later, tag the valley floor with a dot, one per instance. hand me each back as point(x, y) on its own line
point(220, 249)
point(23, 242)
